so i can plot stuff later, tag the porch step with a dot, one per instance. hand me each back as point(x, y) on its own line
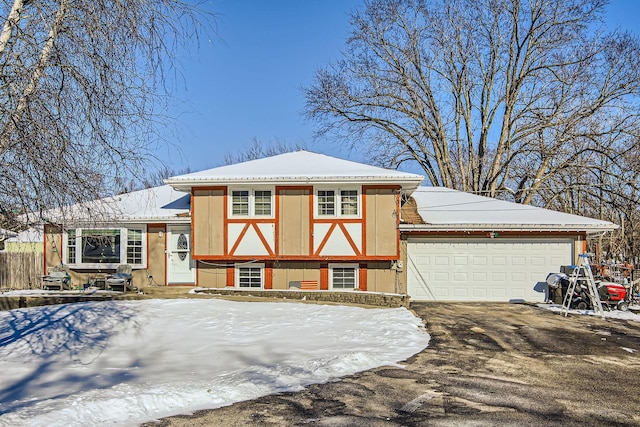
point(166, 291)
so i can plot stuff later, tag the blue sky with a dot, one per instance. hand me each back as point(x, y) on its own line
point(246, 82)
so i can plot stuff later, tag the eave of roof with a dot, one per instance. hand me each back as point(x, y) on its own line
point(444, 209)
point(296, 168)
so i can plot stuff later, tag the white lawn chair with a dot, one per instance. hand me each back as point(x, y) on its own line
point(57, 279)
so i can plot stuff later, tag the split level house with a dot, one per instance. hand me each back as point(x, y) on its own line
point(303, 220)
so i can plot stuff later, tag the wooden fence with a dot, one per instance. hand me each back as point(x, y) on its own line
point(20, 270)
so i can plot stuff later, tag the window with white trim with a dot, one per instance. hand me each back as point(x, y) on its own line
point(71, 247)
point(249, 276)
point(240, 203)
point(337, 203)
point(251, 203)
point(134, 247)
point(343, 276)
point(105, 247)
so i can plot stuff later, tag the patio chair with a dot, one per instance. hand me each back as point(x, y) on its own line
point(57, 279)
point(121, 280)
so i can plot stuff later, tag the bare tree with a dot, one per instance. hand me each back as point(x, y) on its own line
point(487, 96)
point(257, 150)
point(82, 87)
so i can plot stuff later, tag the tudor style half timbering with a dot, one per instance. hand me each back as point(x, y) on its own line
point(296, 222)
point(297, 219)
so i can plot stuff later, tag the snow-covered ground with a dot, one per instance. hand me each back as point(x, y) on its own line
point(631, 314)
point(125, 362)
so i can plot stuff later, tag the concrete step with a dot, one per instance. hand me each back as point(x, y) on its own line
point(166, 291)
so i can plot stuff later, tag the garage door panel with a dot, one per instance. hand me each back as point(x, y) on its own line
point(479, 294)
point(423, 260)
point(460, 276)
point(498, 260)
point(518, 277)
point(442, 260)
point(518, 261)
point(499, 270)
point(461, 293)
point(442, 293)
point(498, 276)
point(460, 260)
point(441, 276)
point(537, 261)
point(498, 293)
point(480, 276)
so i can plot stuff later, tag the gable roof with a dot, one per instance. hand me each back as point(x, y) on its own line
point(158, 204)
point(295, 168)
point(447, 209)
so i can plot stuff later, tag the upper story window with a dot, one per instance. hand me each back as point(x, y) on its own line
point(105, 247)
point(337, 202)
point(250, 203)
point(240, 202)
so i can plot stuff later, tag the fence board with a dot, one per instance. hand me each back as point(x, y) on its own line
point(20, 270)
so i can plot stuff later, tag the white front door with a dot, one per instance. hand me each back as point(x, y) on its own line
point(180, 266)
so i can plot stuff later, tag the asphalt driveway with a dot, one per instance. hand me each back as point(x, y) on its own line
point(486, 365)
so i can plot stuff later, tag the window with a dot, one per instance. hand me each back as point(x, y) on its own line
point(240, 202)
point(71, 247)
point(134, 246)
point(337, 203)
point(343, 276)
point(100, 246)
point(249, 276)
point(105, 247)
point(326, 202)
point(262, 202)
point(348, 202)
point(250, 203)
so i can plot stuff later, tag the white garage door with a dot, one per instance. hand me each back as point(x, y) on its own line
point(483, 269)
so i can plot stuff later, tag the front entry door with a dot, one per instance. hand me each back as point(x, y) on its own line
point(180, 266)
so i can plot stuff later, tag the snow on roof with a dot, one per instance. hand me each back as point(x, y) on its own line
point(157, 204)
point(29, 235)
point(295, 168)
point(444, 208)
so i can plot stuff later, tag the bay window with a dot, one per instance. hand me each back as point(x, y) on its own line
point(105, 247)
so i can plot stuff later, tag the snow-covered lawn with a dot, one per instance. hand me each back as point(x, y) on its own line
point(125, 362)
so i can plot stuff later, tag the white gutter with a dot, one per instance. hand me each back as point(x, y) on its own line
point(407, 184)
point(590, 228)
